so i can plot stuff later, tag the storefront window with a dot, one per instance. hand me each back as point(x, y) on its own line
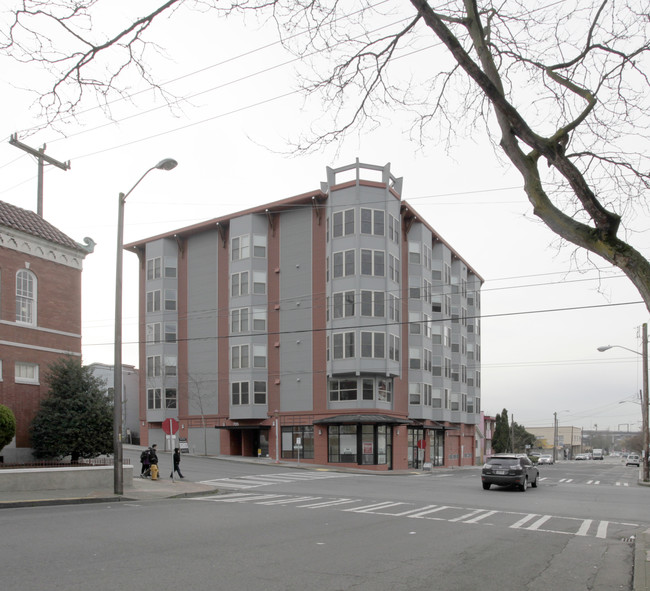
point(290, 437)
point(359, 444)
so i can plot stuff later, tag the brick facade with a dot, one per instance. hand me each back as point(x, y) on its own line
point(54, 262)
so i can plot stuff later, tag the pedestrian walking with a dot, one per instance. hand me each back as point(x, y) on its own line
point(145, 463)
point(177, 461)
point(153, 460)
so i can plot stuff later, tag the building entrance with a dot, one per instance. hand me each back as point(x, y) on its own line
point(415, 447)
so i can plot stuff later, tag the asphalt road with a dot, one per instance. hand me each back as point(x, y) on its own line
point(275, 528)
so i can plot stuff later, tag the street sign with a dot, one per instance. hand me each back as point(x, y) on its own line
point(170, 426)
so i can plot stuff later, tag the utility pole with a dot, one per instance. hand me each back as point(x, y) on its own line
point(512, 431)
point(644, 406)
point(555, 436)
point(42, 159)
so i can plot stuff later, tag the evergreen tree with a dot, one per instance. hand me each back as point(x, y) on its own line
point(522, 437)
point(7, 425)
point(501, 435)
point(76, 418)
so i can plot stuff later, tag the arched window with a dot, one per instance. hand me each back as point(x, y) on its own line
point(26, 297)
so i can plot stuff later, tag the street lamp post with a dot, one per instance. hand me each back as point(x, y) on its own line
point(644, 398)
point(118, 476)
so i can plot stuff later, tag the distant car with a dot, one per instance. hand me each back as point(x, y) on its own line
point(546, 460)
point(633, 460)
point(509, 470)
point(582, 457)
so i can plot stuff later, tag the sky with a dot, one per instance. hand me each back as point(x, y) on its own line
point(544, 315)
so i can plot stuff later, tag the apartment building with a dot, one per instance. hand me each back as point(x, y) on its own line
point(40, 312)
point(333, 327)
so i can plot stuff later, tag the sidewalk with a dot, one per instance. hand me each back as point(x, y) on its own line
point(143, 489)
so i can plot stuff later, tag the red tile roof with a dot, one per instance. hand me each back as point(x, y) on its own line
point(31, 223)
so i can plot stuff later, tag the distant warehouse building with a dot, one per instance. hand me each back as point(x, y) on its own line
point(335, 326)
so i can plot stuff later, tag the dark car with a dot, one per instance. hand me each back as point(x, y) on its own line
point(509, 470)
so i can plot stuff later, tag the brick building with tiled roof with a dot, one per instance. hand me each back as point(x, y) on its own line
point(40, 312)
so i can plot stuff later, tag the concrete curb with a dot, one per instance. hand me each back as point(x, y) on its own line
point(642, 562)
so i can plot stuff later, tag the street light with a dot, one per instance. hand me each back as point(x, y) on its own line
point(118, 476)
point(644, 397)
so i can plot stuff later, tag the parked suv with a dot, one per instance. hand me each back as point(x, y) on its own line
point(633, 460)
point(509, 470)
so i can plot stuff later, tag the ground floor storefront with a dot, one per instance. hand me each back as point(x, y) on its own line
point(373, 442)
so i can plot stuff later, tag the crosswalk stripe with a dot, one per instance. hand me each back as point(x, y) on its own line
point(529, 522)
point(523, 520)
point(330, 503)
point(584, 528)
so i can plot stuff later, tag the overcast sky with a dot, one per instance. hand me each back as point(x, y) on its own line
point(543, 317)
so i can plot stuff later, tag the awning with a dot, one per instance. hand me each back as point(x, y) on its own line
point(362, 418)
point(435, 426)
point(242, 427)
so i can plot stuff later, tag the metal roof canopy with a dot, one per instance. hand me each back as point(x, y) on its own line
point(360, 418)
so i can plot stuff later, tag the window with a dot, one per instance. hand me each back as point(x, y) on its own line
point(415, 326)
point(373, 345)
point(393, 268)
point(426, 251)
point(426, 325)
point(259, 282)
point(415, 393)
point(171, 363)
point(414, 288)
point(240, 248)
point(26, 297)
point(343, 304)
point(373, 303)
point(259, 319)
point(154, 398)
point(239, 320)
point(240, 393)
point(344, 263)
point(170, 267)
point(393, 229)
point(373, 262)
point(393, 307)
point(393, 347)
point(259, 355)
point(153, 366)
point(170, 397)
point(170, 332)
point(368, 389)
point(384, 390)
point(343, 223)
point(372, 221)
point(153, 301)
point(259, 392)
point(26, 373)
point(153, 268)
point(170, 299)
point(259, 246)
point(239, 357)
point(153, 332)
point(341, 390)
point(290, 438)
point(415, 358)
point(343, 345)
point(239, 284)
point(415, 249)
point(428, 360)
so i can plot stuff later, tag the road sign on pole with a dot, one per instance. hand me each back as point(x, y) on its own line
point(170, 426)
